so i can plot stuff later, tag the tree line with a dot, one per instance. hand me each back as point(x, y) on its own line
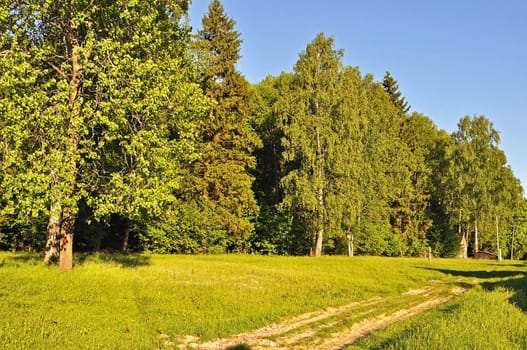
point(122, 130)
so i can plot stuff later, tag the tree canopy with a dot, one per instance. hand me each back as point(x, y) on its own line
point(122, 130)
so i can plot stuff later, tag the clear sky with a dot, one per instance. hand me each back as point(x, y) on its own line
point(451, 57)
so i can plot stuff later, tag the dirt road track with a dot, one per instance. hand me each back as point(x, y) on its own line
point(335, 328)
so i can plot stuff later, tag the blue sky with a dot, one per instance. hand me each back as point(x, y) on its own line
point(451, 58)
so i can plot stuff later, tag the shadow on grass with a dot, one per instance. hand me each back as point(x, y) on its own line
point(126, 260)
point(515, 281)
point(517, 285)
point(19, 259)
point(476, 274)
point(123, 260)
point(240, 347)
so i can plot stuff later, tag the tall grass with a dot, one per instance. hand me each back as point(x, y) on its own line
point(148, 302)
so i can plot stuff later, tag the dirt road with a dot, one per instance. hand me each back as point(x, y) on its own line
point(335, 328)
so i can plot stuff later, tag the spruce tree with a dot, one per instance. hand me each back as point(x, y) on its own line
point(273, 226)
point(391, 86)
point(408, 208)
point(228, 135)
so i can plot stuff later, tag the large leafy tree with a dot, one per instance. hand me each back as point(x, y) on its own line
point(228, 134)
point(349, 171)
point(358, 196)
point(517, 239)
point(481, 186)
point(80, 78)
point(309, 135)
point(445, 235)
point(157, 108)
point(387, 154)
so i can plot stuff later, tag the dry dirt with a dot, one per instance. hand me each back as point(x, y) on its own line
point(335, 328)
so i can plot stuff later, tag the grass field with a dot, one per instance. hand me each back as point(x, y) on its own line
point(154, 302)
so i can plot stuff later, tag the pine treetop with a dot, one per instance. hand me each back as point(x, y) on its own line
point(391, 86)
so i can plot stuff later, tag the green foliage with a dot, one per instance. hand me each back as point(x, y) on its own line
point(517, 237)
point(101, 106)
point(482, 187)
point(443, 235)
point(309, 142)
point(273, 227)
point(228, 135)
point(115, 118)
point(186, 228)
point(341, 131)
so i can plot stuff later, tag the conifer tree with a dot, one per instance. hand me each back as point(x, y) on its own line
point(386, 154)
point(391, 86)
point(272, 232)
point(408, 217)
point(228, 135)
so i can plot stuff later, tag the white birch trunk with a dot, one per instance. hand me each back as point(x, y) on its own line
point(53, 242)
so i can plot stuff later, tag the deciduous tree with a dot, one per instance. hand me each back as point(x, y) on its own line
point(309, 135)
point(95, 78)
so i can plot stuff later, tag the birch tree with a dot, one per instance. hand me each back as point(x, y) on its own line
point(309, 135)
point(476, 141)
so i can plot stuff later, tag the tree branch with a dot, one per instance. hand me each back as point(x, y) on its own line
point(59, 71)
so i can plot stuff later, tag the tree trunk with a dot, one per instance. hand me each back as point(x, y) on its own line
point(126, 236)
point(66, 241)
point(476, 242)
point(53, 242)
point(319, 171)
point(498, 248)
point(319, 234)
point(463, 236)
point(512, 242)
point(350, 244)
point(463, 254)
point(317, 249)
point(464, 246)
point(79, 56)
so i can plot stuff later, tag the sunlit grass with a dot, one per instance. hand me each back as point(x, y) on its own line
point(148, 302)
point(490, 316)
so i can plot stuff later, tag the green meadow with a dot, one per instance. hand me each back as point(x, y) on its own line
point(156, 301)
